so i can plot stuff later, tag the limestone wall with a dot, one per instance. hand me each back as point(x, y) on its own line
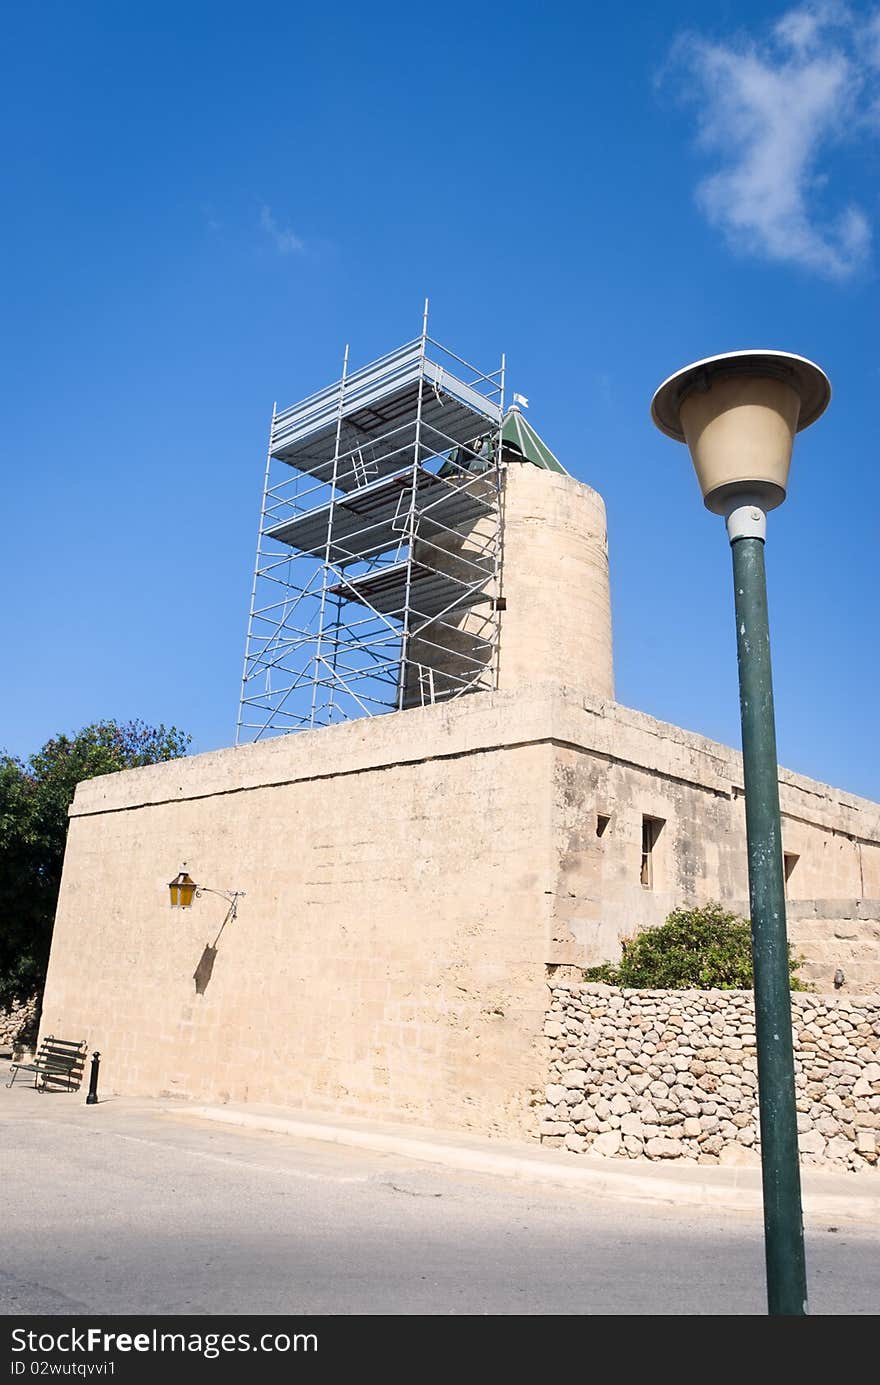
point(621, 766)
point(408, 877)
point(673, 1075)
point(388, 955)
point(837, 935)
point(458, 647)
point(557, 619)
point(555, 587)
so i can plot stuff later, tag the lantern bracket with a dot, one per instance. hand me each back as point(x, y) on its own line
point(183, 889)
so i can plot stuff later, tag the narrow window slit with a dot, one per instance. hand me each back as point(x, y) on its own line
point(651, 829)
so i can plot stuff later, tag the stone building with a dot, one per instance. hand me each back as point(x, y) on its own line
point(414, 880)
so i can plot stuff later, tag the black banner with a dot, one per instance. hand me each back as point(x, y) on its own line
point(128, 1350)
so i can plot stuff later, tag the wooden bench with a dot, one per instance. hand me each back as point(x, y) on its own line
point(57, 1060)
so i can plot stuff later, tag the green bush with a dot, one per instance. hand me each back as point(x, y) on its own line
point(695, 949)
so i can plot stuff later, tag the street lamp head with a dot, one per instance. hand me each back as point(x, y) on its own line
point(738, 414)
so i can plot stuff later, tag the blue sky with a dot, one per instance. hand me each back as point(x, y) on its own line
point(204, 202)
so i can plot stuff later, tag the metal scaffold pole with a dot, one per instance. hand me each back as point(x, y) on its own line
point(411, 518)
point(250, 632)
point(327, 545)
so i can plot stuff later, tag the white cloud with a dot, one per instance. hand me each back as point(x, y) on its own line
point(802, 29)
point(771, 111)
point(285, 241)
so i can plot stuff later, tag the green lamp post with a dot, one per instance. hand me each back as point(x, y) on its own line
point(738, 414)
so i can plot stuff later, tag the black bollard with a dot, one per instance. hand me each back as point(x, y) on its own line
point(92, 1098)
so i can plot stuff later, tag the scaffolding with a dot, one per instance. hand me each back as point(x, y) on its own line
point(376, 584)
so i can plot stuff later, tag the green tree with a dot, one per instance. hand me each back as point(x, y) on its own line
point(34, 798)
point(695, 949)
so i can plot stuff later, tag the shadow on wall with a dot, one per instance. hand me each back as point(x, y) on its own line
point(202, 973)
point(205, 970)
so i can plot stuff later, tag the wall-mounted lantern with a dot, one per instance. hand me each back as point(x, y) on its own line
point(182, 889)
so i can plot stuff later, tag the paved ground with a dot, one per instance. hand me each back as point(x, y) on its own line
point(126, 1208)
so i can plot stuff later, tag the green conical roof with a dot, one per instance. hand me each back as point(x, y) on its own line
point(519, 437)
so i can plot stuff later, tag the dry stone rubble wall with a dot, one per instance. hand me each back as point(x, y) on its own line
point(673, 1075)
point(18, 1025)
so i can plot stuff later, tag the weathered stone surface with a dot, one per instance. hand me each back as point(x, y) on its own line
point(607, 1144)
point(631, 1124)
point(698, 1099)
point(588, 1125)
point(839, 1148)
point(574, 1078)
point(18, 1026)
point(663, 1148)
point(811, 1142)
point(737, 1156)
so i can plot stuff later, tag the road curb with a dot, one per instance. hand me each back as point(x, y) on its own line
point(734, 1194)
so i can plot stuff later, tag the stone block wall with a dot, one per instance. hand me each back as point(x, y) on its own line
point(836, 935)
point(407, 879)
point(615, 767)
point(387, 956)
point(673, 1075)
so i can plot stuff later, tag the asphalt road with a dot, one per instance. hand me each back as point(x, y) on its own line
point(128, 1211)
